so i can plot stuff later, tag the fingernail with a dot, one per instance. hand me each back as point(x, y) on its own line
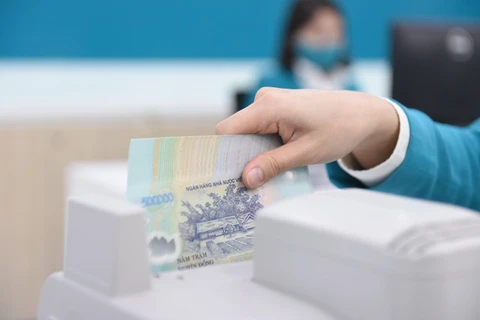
point(255, 177)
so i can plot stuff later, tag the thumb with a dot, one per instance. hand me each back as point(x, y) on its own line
point(269, 164)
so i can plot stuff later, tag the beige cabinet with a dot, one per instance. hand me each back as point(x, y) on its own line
point(33, 158)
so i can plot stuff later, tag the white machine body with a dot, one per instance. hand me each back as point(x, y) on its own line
point(365, 255)
point(335, 255)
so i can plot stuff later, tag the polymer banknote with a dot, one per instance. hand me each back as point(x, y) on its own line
point(198, 211)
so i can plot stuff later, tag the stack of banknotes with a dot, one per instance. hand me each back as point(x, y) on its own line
point(198, 212)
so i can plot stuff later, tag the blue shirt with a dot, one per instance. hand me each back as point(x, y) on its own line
point(442, 163)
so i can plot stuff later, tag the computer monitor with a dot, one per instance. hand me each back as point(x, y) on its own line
point(436, 69)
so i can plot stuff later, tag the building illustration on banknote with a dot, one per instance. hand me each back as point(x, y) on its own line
point(197, 210)
point(224, 225)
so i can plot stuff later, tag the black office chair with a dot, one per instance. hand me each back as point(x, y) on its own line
point(239, 98)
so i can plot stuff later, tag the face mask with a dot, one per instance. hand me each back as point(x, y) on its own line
point(325, 57)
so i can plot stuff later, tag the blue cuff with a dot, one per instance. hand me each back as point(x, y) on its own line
point(411, 177)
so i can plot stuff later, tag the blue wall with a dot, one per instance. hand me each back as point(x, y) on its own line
point(189, 28)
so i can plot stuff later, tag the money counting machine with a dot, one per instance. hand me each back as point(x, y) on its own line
point(334, 255)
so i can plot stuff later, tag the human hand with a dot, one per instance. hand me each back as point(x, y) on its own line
point(316, 127)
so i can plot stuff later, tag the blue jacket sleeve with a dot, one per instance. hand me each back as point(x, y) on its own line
point(442, 163)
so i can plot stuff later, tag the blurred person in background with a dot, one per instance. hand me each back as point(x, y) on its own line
point(315, 55)
point(315, 52)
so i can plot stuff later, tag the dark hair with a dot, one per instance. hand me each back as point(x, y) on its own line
point(301, 13)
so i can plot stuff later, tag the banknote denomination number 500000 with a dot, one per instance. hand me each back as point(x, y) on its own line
point(158, 199)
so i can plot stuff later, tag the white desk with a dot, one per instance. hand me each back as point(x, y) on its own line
point(31, 90)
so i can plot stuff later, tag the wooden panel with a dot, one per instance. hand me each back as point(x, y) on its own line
point(32, 186)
